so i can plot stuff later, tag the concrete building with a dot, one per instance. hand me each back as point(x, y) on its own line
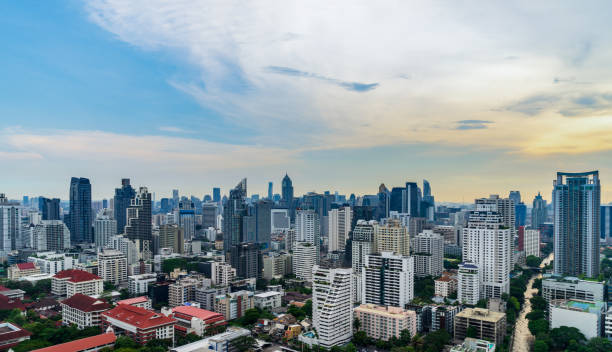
point(105, 227)
point(140, 324)
point(268, 300)
point(246, 259)
point(280, 220)
point(52, 263)
point(10, 225)
point(468, 285)
point(388, 280)
point(277, 265)
point(51, 235)
point(339, 225)
point(233, 305)
point(391, 237)
point(565, 288)
point(608, 324)
point(222, 273)
point(172, 236)
point(445, 286)
point(382, 323)
point(308, 229)
point(19, 270)
point(197, 321)
point(126, 246)
point(332, 305)
point(304, 259)
point(428, 252)
point(70, 282)
point(112, 266)
point(474, 345)
point(182, 291)
point(217, 343)
point(588, 317)
point(83, 311)
point(206, 296)
point(532, 242)
point(142, 302)
point(487, 324)
point(139, 284)
point(362, 246)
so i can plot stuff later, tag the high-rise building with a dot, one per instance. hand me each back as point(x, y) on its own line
point(388, 279)
point(384, 202)
point(287, 195)
point(112, 266)
point(209, 215)
point(531, 242)
point(246, 259)
point(80, 217)
point(186, 210)
point(339, 227)
point(428, 205)
point(332, 306)
point(304, 258)
point(51, 235)
point(428, 252)
point(515, 196)
point(175, 197)
point(221, 274)
point(216, 195)
point(505, 207)
point(171, 236)
point(308, 228)
point(487, 242)
point(280, 220)
point(576, 199)
point(468, 286)
point(49, 208)
point(10, 225)
point(606, 225)
point(139, 226)
point(270, 190)
point(520, 210)
point(257, 226)
point(538, 212)
point(104, 228)
point(122, 200)
point(391, 237)
point(233, 212)
point(410, 200)
point(363, 244)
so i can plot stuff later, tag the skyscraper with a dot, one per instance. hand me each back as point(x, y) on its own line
point(80, 217)
point(175, 197)
point(538, 212)
point(49, 208)
point(428, 205)
point(270, 190)
point(138, 226)
point(246, 259)
point(388, 279)
point(216, 194)
point(10, 224)
point(606, 224)
point(104, 228)
point(339, 227)
point(233, 212)
point(186, 212)
point(287, 195)
point(576, 199)
point(123, 198)
point(515, 196)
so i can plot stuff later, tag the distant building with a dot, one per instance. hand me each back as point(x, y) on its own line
point(139, 324)
point(308, 229)
point(428, 253)
point(10, 231)
point(139, 226)
point(70, 282)
point(222, 273)
point(171, 236)
point(83, 311)
point(382, 323)
point(104, 228)
point(51, 235)
point(488, 325)
point(142, 302)
point(276, 266)
point(246, 259)
point(304, 259)
point(49, 208)
point(588, 317)
point(538, 212)
point(122, 201)
point(80, 216)
point(112, 266)
point(339, 227)
point(182, 291)
point(52, 263)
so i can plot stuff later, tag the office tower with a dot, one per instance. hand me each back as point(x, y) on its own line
point(515, 196)
point(396, 199)
point(577, 220)
point(51, 235)
point(175, 197)
point(388, 279)
point(257, 226)
point(112, 266)
point(233, 212)
point(538, 212)
point(468, 286)
point(505, 207)
point(428, 205)
point(122, 200)
point(209, 215)
point(391, 237)
point(186, 210)
point(304, 258)
point(384, 202)
point(287, 195)
point(172, 236)
point(307, 227)
point(531, 242)
point(164, 206)
point(332, 306)
point(10, 225)
point(246, 259)
point(216, 195)
point(80, 217)
point(410, 200)
point(49, 208)
point(487, 242)
point(104, 228)
point(339, 227)
point(521, 214)
point(270, 190)
point(606, 224)
point(362, 244)
point(428, 251)
point(125, 246)
point(280, 220)
point(138, 226)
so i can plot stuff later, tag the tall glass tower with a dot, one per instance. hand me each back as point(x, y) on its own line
point(576, 199)
point(123, 199)
point(80, 211)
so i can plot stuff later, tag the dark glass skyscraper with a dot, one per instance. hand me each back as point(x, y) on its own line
point(538, 212)
point(138, 222)
point(123, 198)
point(287, 191)
point(216, 194)
point(49, 208)
point(233, 212)
point(79, 219)
point(577, 220)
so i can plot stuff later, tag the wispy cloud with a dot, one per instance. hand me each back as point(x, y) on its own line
point(472, 124)
point(173, 129)
point(352, 86)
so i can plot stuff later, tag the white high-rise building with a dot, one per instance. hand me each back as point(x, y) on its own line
point(487, 242)
point(51, 235)
point(468, 286)
point(532, 242)
point(332, 306)
point(388, 279)
point(339, 221)
point(391, 237)
point(222, 273)
point(362, 246)
point(112, 266)
point(10, 225)
point(104, 228)
point(304, 258)
point(308, 228)
point(428, 251)
point(505, 207)
point(125, 246)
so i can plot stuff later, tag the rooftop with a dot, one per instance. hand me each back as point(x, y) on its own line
point(199, 313)
point(74, 275)
point(82, 344)
point(86, 303)
point(10, 331)
point(26, 266)
point(138, 317)
point(267, 294)
point(481, 314)
point(580, 306)
point(135, 300)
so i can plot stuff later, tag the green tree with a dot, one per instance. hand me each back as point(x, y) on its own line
point(537, 327)
point(350, 348)
point(244, 343)
point(360, 338)
point(533, 261)
point(535, 315)
point(435, 341)
point(599, 344)
point(514, 304)
point(405, 337)
point(125, 342)
point(356, 324)
point(482, 303)
point(540, 346)
point(29, 345)
point(108, 286)
point(538, 303)
point(560, 337)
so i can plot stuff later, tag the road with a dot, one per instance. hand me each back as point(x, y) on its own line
point(522, 336)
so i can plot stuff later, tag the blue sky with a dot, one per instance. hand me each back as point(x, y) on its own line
point(476, 98)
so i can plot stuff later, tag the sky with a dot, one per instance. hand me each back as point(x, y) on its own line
point(477, 97)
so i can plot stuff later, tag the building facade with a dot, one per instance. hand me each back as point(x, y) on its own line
point(383, 323)
point(428, 251)
point(388, 280)
point(112, 266)
point(332, 305)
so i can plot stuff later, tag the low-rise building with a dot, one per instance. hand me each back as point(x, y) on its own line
point(140, 324)
point(83, 311)
point(70, 282)
point(445, 286)
point(233, 305)
point(383, 323)
point(52, 263)
point(487, 324)
point(196, 320)
point(474, 345)
point(17, 271)
point(218, 343)
point(87, 344)
point(142, 302)
point(11, 335)
point(139, 284)
point(558, 287)
point(182, 291)
point(583, 315)
point(268, 300)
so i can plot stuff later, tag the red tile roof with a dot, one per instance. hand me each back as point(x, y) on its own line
point(196, 312)
point(74, 275)
point(10, 331)
point(82, 344)
point(139, 317)
point(86, 303)
point(26, 266)
point(11, 303)
point(2, 288)
point(135, 300)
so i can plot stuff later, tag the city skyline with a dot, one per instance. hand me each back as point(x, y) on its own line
point(104, 90)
